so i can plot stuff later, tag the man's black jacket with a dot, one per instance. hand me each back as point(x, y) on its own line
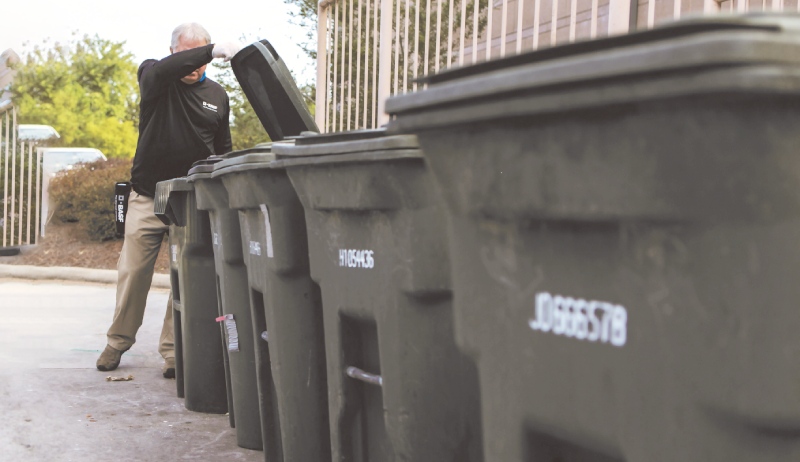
point(178, 123)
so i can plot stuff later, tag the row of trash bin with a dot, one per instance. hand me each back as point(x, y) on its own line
point(586, 253)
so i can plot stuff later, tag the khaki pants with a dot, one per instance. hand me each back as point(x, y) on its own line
point(144, 233)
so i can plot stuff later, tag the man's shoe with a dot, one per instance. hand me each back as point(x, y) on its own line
point(169, 368)
point(109, 359)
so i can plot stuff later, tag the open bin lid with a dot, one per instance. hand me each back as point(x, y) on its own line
point(271, 90)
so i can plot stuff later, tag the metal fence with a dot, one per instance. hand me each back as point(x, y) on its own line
point(20, 183)
point(371, 49)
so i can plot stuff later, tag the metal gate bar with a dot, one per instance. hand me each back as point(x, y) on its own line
point(383, 31)
point(20, 172)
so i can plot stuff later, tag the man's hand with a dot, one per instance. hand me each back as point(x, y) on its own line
point(225, 50)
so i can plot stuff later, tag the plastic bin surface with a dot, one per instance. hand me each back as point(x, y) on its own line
point(623, 224)
point(233, 296)
point(286, 306)
point(398, 387)
point(199, 355)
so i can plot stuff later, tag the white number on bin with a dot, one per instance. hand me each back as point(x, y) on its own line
point(215, 239)
point(351, 258)
point(174, 253)
point(255, 248)
point(589, 320)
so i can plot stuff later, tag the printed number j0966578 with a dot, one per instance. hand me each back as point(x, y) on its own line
point(589, 320)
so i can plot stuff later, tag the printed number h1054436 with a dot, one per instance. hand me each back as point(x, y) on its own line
point(351, 258)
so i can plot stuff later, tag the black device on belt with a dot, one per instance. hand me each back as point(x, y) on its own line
point(121, 192)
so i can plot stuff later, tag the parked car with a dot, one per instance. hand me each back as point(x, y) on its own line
point(32, 132)
point(55, 160)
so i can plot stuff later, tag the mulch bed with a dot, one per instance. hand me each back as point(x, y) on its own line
point(64, 244)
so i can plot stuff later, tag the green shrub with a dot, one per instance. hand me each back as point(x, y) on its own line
point(85, 194)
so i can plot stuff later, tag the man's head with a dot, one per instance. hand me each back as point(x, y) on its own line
point(185, 37)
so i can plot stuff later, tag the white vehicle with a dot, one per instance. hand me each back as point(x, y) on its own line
point(55, 160)
point(31, 132)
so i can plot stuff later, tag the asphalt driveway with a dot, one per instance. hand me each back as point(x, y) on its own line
point(56, 406)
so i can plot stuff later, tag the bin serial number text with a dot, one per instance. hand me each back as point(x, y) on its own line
point(589, 320)
point(351, 258)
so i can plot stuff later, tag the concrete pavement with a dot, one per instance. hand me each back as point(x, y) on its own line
point(57, 407)
point(70, 274)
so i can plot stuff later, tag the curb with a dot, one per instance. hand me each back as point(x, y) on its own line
point(160, 281)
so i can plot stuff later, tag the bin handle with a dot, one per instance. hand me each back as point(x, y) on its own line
point(358, 374)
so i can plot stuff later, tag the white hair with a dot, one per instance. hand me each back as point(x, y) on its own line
point(189, 31)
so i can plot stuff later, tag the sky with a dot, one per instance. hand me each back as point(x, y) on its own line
point(146, 25)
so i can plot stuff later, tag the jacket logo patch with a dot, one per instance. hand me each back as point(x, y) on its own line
point(210, 107)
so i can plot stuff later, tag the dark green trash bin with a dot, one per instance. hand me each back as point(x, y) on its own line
point(199, 355)
point(232, 295)
point(398, 388)
point(288, 355)
point(624, 222)
point(286, 307)
point(175, 239)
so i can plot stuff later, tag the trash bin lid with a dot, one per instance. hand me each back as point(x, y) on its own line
point(259, 156)
point(375, 142)
point(271, 90)
point(672, 30)
point(164, 189)
point(181, 184)
point(203, 168)
point(342, 147)
point(691, 57)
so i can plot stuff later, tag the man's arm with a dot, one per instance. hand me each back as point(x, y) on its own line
point(155, 76)
point(222, 139)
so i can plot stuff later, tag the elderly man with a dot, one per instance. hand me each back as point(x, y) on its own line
point(183, 118)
